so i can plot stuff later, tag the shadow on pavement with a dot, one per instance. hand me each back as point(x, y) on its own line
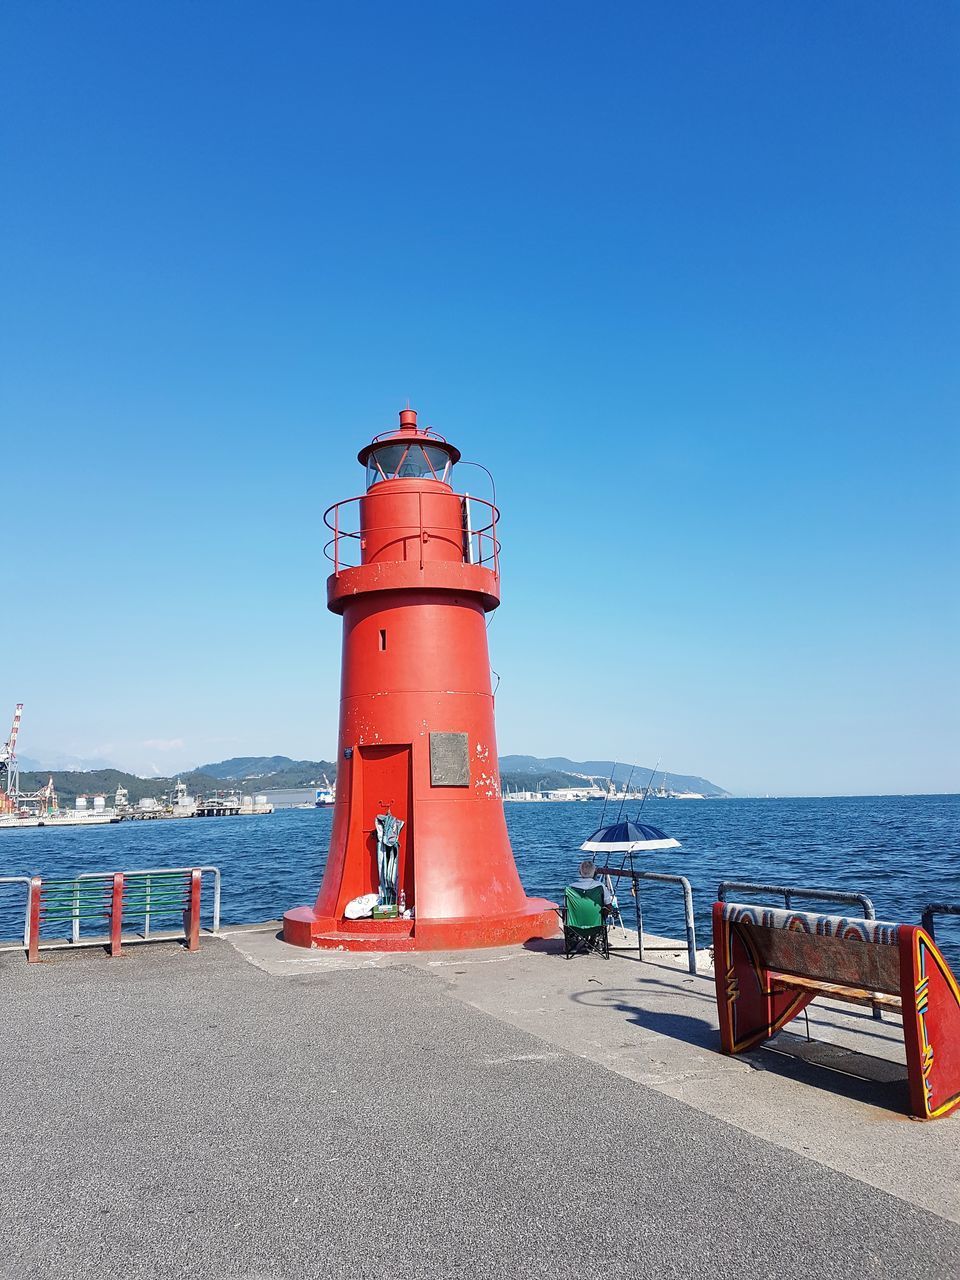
point(858, 1076)
point(818, 1064)
point(665, 1022)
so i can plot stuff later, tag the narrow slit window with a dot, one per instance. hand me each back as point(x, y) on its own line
point(383, 640)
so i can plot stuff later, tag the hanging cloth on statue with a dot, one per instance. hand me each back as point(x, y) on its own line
point(388, 854)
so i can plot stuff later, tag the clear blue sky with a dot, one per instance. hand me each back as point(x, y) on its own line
point(685, 276)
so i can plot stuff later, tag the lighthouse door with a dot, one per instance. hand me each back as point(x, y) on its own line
point(385, 787)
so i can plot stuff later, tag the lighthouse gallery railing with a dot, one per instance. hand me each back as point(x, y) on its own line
point(479, 545)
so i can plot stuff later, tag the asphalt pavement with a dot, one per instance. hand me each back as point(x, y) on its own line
point(172, 1115)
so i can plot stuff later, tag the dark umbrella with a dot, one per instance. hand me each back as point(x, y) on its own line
point(628, 837)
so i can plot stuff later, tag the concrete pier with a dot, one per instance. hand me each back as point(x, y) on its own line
point(494, 1113)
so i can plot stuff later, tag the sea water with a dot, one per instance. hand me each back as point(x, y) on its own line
point(903, 851)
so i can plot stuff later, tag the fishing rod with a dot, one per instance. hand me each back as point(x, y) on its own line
point(623, 798)
point(649, 785)
point(606, 794)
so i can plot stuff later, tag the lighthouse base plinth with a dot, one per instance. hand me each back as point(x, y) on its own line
point(302, 927)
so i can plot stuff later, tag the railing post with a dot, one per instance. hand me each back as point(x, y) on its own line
point(691, 925)
point(116, 914)
point(191, 916)
point(26, 919)
point(937, 909)
point(75, 921)
point(33, 943)
point(146, 912)
point(216, 899)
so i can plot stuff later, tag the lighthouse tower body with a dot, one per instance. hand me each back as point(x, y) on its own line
point(416, 571)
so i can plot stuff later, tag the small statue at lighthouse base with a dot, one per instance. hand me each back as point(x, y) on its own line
point(418, 814)
point(388, 853)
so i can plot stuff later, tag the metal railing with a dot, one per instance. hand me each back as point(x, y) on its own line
point(26, 912)
point(937, 909)
point(790, 891)
point(478, 546)
point(663, 878)
point(115, 897)
point(152, 904)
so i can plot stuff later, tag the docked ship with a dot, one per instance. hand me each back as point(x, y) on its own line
point(326, 795)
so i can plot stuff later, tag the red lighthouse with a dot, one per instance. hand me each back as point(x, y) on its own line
point(418, 817)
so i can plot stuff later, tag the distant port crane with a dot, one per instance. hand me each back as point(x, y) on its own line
point(9, 769)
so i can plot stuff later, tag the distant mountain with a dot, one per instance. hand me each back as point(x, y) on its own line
point(265, 772)
point(69, 784)
point(241, 767)
point(57, 760)
point(528, 770)
point(251, 774)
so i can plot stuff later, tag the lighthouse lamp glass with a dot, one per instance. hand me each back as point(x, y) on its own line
point(408, 461)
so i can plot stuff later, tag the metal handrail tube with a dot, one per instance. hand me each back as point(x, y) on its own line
point(105, 893)
point(156, 871)
point(69, 913)
point(148, 889)
point(345, 502)
point(496, 546)
point(789, 891)
point(66, 894)
point(165, 900)
point(665, 878)
point(26, 917)
point(687, 910)
point(62, 899)
point(937, 909)
point(488, 530)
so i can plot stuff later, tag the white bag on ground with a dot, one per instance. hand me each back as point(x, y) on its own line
point(361, 908)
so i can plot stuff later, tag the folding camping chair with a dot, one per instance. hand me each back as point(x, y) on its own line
point(584, 922)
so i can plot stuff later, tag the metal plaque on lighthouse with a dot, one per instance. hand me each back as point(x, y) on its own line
point(449, 760)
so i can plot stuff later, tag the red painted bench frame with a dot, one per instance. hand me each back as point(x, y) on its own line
point(754, 1000)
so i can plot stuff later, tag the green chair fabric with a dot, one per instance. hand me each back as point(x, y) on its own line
point(584, 908)
point(584, 924)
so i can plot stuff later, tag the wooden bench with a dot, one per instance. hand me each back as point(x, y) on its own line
point(769, 964)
